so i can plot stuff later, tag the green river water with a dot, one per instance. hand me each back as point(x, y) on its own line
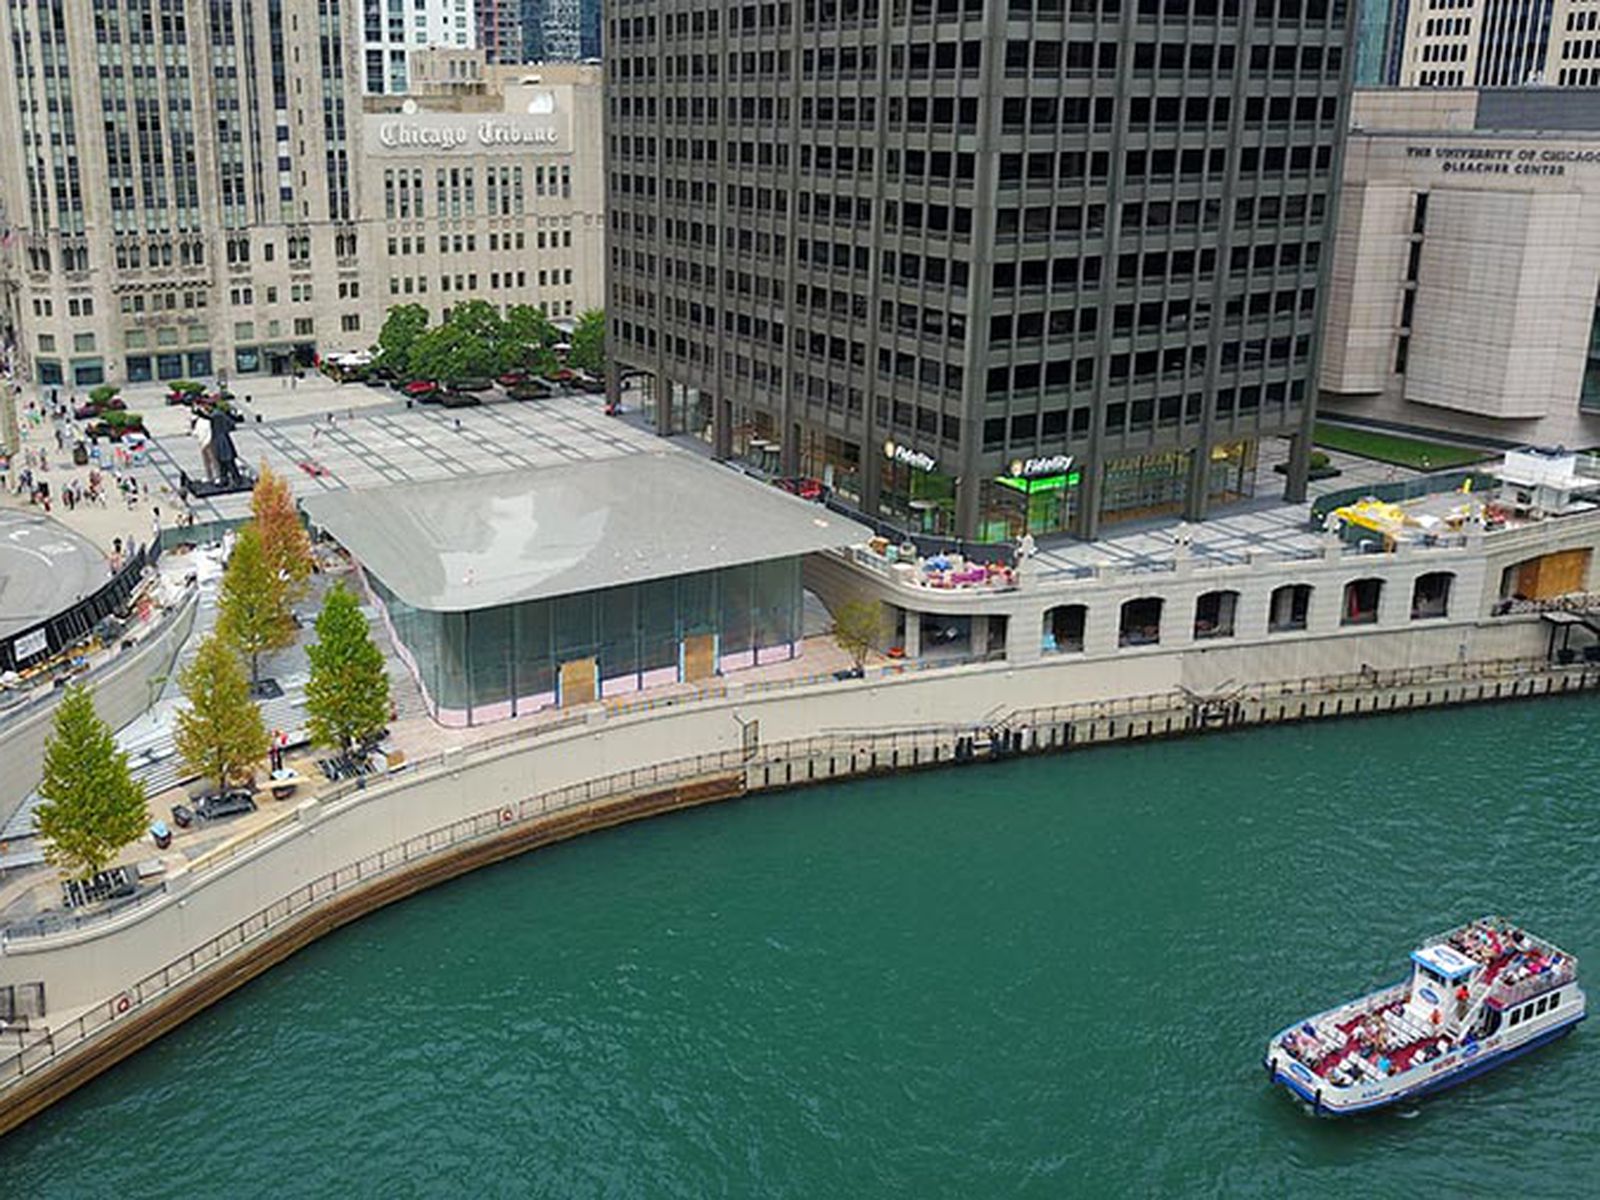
point(1048, 977)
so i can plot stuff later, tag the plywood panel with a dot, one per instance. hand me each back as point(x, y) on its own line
point(578, 682)
point(699, 657)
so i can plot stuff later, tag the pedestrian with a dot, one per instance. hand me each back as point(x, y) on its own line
point(155, 525)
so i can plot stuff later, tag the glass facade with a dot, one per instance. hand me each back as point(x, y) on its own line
point(492, 663)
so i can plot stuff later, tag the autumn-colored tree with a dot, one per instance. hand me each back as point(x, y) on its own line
point(253, 605)
point(220, 735)
point(284, 541)
point(90, 806)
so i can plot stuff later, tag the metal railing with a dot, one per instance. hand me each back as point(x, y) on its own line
point(868, 750)
point(42, 698)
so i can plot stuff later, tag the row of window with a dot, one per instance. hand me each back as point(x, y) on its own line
point(1534, 1008)
point(1215, 613)
point(468, 282)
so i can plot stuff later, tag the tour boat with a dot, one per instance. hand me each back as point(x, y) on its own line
point(1478, 996)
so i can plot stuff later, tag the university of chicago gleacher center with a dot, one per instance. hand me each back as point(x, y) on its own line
point(515, 592)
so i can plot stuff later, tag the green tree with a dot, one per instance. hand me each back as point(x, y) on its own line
point(347, 696)
point(91, 806)
point(855, 629)
point(220, 735)
point(103, 394)
point(450, 353)
point(253, 605)
point(401, 329)
point(589, 343)
point(527, 341)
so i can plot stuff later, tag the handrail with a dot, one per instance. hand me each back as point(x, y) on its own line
point(565, 799)
point(168, 617)
point(1149, 705)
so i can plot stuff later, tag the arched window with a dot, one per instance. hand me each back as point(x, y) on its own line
point(1141, 622)
point(1063, 629)
point(1430, 597)
point(1361, 598)
point(1291, 604)
point(1214, 613)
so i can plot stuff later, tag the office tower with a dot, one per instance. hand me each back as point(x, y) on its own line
point(552, 30)
point(392, 28)
point(499, 26)
point(1380, 41)
point(591, 29)
point(984, 267)
point(1501, 43)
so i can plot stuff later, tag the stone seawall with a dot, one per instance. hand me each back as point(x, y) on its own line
point(114, 987)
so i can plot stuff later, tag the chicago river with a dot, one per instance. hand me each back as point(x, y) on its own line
point(1044, 977)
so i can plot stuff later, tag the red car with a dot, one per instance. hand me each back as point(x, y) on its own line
point(420, 387)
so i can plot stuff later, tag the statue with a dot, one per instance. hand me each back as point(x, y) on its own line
point(200, 430)
point(223, 423)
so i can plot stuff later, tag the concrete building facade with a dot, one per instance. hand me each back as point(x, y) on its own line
point(201, 212)
point(1497, 43)
point(1467, 266)
point(983, 269)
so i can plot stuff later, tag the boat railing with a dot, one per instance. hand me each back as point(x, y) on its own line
point(1512, 994)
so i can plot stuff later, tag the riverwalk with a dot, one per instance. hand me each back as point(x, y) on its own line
point(361, 847)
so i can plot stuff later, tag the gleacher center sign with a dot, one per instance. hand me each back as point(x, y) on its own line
point(393, 134)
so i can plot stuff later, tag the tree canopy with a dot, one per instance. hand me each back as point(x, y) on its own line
point(855, 629)
point(401, 329)
point(253, 603)
point(220, 735)
point(284, 541)
point(347, 696)
point(90, 806)
point(589, 343)
point(475, 342)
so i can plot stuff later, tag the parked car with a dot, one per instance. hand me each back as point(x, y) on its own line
point(420, 389)
point(217, 805)
point(457, 399)
point(511, 378)
point(182, 816)
point(91, 410)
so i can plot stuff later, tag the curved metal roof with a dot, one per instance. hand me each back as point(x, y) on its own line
point(460, 544)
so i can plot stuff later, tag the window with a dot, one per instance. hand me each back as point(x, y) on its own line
point(1291, 605)
point(1141, 622)
point(1430, 596)
point(1516, 1018)
point(1063, 628)
point(1361, 598)
point(1214, 613)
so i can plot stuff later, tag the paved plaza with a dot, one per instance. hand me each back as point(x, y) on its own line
point(1265, 526)
point(389, 443)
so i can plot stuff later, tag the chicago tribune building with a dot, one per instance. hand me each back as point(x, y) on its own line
point(202, 190)
point(983, 267)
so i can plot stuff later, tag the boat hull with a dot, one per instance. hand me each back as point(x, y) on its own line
point(1327, 1101)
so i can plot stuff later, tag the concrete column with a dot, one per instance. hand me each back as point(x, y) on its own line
point(911, 643)
point(1025, 636)
point(1294, 485)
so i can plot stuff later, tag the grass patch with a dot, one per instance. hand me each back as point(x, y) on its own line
point(1393, 448)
